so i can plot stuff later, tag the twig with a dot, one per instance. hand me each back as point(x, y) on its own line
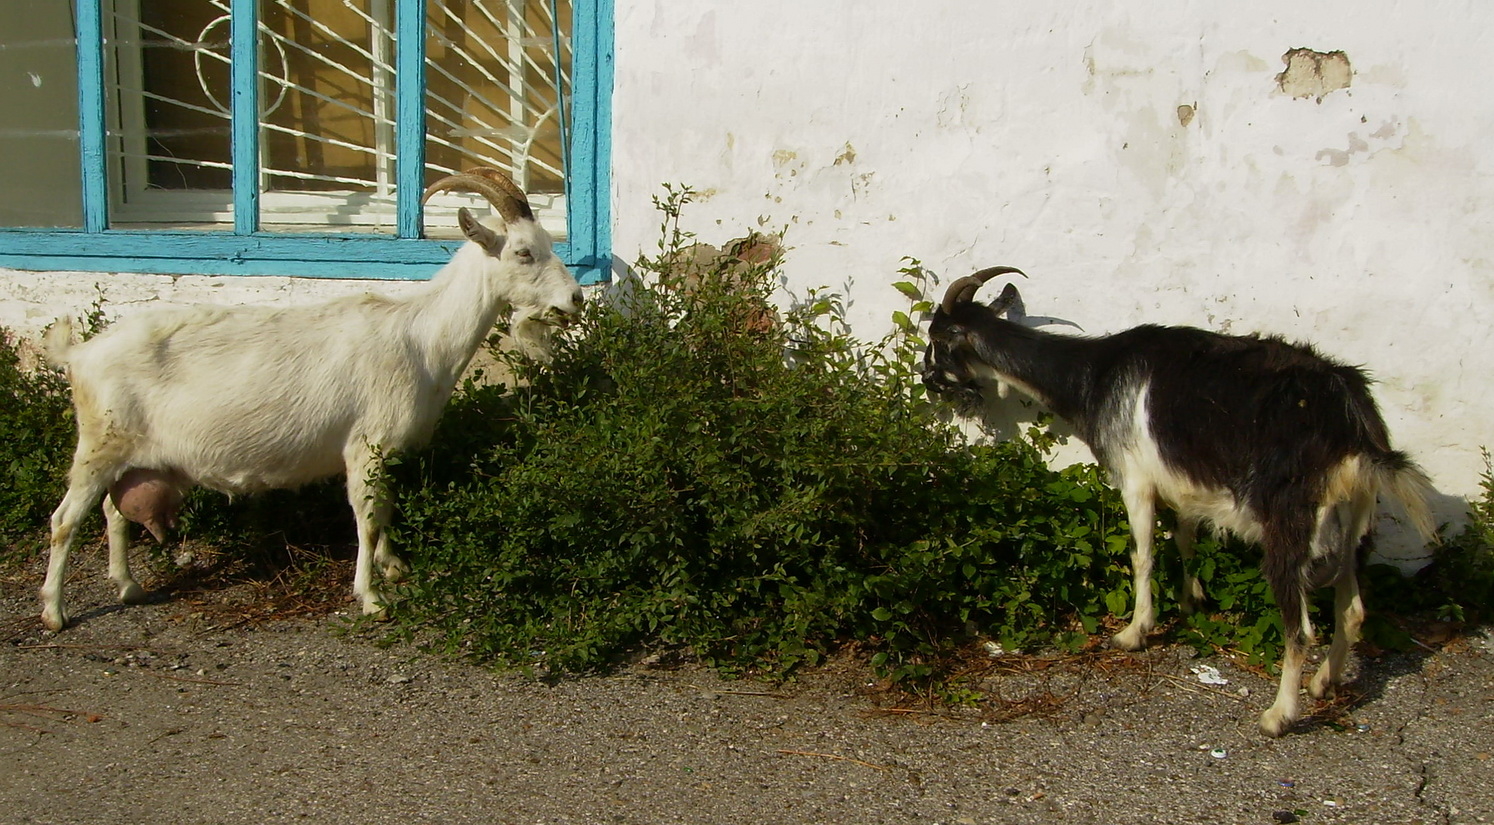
point(882, 768)
point(22, 726)
point(166, 733)
point(767, 693)
point(42, 711)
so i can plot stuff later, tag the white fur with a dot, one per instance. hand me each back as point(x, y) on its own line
point(1118, 425)
point(1144, 481)
point(245, 399)
point(1344, 516)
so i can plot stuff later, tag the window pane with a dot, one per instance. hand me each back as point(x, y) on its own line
point(183, 51)
point(491, 98)
point(327, 103)
point(39, 162)
point(325, 95)
point(169, 130)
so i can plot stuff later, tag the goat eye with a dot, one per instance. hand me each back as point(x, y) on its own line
point(525, 255)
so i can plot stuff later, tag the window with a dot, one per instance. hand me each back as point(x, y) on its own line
point(294, 136)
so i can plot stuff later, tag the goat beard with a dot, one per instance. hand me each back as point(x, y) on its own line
point(967, 398)
point(534, 338)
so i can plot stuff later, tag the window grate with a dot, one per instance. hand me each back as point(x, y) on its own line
point(328, 143)
point(82, 202)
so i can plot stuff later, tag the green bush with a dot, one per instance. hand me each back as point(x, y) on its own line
point(1459, 583)
point(36, 441)
point(695, 470)
point(684, 474)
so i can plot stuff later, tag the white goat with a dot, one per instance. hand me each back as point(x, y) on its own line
point(245, 399)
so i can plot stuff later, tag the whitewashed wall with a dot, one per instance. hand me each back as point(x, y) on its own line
point(1138, 159)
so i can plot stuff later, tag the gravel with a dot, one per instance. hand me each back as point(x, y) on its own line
point(154, 714)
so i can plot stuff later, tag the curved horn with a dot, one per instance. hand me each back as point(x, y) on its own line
point(507, 184)
point(963, 290)
point(507, 198)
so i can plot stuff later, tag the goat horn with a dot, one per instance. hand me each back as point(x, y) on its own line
point(507, 184)
point(963, 290)
point(493, 185)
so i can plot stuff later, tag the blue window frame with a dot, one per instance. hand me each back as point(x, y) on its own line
point(245, 247)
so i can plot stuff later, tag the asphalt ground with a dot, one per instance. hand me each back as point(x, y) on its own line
point(186, 711)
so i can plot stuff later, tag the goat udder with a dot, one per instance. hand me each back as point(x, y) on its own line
point(149, 498)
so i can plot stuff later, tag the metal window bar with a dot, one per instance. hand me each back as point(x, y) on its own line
point(501, 106)
point(244, 51)
point(584, 153)
point(409, 102)
point(381, 118)
point(91, 131)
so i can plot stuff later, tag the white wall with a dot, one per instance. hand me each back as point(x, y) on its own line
point(1049, 136)
point(30, 301)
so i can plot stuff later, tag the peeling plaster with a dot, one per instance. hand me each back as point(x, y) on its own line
point(1314, 74)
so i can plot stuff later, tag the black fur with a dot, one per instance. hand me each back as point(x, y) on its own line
point(1260, 417)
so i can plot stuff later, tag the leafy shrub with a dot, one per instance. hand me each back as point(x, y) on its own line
point(1459, 583)
point(36, 440)
point(694, 470)
point(674, 477)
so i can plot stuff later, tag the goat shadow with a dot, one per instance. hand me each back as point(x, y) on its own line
point(1370, 684)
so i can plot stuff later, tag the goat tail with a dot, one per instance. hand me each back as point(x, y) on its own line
point(58, 342)
point(1403, 480)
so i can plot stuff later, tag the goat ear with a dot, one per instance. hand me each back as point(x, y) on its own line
point(479, 234)
point(1008, 301)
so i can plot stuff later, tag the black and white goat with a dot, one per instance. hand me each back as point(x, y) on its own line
point(244, 399)
point(1266, 439)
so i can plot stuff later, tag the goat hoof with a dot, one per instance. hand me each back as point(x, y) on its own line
point(1131, 640)
point(132, 593)
point(1322, 687)
point(1274, 723)
point(395, 569)
point(53, 620)
point(376, 609)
